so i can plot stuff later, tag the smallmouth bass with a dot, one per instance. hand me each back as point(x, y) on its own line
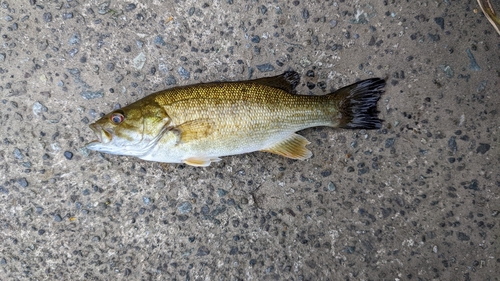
point(197, 124)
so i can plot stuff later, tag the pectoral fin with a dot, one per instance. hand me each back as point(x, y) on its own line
point(200, 161)
point(195, 129)
point(291, 147)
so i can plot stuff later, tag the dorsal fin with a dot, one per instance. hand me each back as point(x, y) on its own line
point(286, 81)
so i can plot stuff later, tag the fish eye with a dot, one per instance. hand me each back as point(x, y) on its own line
point(117, 118)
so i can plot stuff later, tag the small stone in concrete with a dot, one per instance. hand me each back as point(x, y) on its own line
point(47, 17)
point(88, 95)
point(22, 182)
point(452, 144)
point(139, 61)
point(68, 155)
point(473, 64)
point(184, 73)
point(265, 67)
point(203, 251)
point(18, 154)
point(483, 148)
point(185, 207)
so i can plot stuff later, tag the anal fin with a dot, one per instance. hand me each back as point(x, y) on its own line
point(293, 147)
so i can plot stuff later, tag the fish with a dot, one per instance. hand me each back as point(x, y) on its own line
point(198, 124)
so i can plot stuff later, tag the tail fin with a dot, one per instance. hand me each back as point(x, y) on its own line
point(357, 104)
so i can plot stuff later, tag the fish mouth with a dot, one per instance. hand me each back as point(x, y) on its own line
point(102, 135)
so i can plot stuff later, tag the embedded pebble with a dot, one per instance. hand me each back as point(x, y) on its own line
point(202, 251)
point(434, 37)
point(474, 185)
point(67, 16)
point(305, 14)
point(447, 69)
point(88, 95)
point(18, 154)
point(440, 22)
point(47, 17)
point(139, 61)
point(263, 9)
point(483, 148)
point(163, 67)
point(255, 39)
point(184, 73)
point(73, 52)
point(349, 249)
point(22, 182)
point(482, 86)
point(462, 236)
point(452, 144)
point(221, 192)
point(389, 142)
point(185, 207)
point(171, 47)
point(110, 66)
point(75, 39)
point(159, 41)
point(130, 7)
point(363, 170)
point(305, 62)
point(119, 78)
point(473, 64)
point(326, 173)
point(68, 155)
point(104, 8)
point(170, 80)
point(265, 67)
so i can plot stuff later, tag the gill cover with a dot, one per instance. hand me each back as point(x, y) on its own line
point(132, 130)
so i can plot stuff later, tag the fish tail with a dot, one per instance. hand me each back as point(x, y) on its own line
point(357, 104)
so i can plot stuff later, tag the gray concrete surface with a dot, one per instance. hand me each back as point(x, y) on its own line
point(416, 200)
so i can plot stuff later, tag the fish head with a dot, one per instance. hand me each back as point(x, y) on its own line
point(132, 130)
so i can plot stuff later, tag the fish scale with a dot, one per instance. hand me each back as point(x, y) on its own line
point(258, 104)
